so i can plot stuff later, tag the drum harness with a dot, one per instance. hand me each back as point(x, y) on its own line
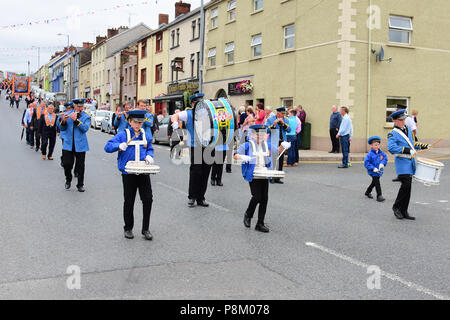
point(400, 132)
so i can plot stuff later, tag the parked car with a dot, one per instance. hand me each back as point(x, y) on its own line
point(89, 109)
point(97, 117)
point(161, 136)
point(107, 124)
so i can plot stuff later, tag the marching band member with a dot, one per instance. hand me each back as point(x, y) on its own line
point(375, 162)
point(279, 123)
point(131, 182)
point(259, 187)
point(47, 131)
point(121, 119)
point(199, 170)
point(401, 144)
point(74, 125)
point(68, 108)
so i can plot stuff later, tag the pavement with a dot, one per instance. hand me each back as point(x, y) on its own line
point(327, 240)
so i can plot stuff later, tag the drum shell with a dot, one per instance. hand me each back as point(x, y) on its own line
point(428, 171)
point(221, 125)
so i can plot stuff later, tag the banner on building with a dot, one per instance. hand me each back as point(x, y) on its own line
point(21, 85)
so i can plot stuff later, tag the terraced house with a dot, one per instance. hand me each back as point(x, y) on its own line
point(319, 53)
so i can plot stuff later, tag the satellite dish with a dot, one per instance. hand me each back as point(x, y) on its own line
point(380, 55)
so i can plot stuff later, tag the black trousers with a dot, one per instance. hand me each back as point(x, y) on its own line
point(30, 136)
point(375, 184)
point(38, 139)
point(280, 161)
point(71, 157)
point(131, 183)
point(404, 194)
point(217, 167)
point(260, 195)
point(198, 174)
point(48, 140)
point(334, 141)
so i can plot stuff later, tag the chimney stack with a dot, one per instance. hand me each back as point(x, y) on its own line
point(87, 44)
point(112, 32)
point(182, 8)
point(163, 18)
point(99, 39)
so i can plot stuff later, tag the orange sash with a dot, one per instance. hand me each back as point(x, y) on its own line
point(31, 112)
point(47, 120)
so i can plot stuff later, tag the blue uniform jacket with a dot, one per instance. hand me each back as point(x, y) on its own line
point(121, 123)
point(76, 131)
point(249, 168)
point(129, 154)
point(58, 125)
point(148, 124)
point(284, 129)
point(373, 161)
point(397, 145)
point(190, 128)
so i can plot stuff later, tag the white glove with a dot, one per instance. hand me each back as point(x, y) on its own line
point(245, 159)
point(149, 160)
point(175, 125)
point(412, 152)
point(286, 145)
point(381, 166)
point(123, 146)
point(376, 170)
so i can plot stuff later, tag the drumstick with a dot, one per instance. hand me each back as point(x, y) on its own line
point(431, 146)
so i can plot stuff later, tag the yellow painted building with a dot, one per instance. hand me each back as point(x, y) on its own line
point(153, 61)
point(98, 74)
point(85, 80)
point(319, 54)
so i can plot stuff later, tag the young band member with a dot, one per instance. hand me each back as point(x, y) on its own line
point(401, 144)
point(375, 162)
point(75, 124)
point(125, 143)
point(259, 187)
point(200, 169)
point(47, 132)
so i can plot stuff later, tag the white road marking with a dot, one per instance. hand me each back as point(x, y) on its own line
point(423, 203)
point(390, 276)
point(443, 201)
point(185, 194)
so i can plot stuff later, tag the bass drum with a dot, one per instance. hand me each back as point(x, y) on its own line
point(214, 122)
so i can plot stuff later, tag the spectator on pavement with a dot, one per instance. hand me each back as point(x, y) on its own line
point(345, 135)
point(292, 138)
point(335, 124)
point(260, 114)
point(301, 114)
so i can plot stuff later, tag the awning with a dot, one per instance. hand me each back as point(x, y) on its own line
point(168, 98)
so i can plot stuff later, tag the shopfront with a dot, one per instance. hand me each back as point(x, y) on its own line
point(177, 97)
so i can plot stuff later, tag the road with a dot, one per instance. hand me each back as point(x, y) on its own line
point(324, 234)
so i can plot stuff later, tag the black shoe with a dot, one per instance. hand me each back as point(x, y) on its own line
point(398, 214)
point(213, 182)
point(203, 203)
point(81, 189)
point(67, 185)
point(229, 171)
point(369, 195)
point(381, 199)
point(191, 203)
point(147, 235)
point(219, 184)
point(37, 149)
point(247, 221)
point(129, 234)
point(271, 181)
point(408, 217)
point(278, 181)
point(396, 180)
point(262, 228)
point(343, 167)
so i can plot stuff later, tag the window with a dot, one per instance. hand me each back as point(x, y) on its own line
point(391, 106)
point(198, 64)
point(212, 57)
point(214, 17)
point(143, 77)
point(287, 102)
point(158, 73)
point(178, 37)
point(159, 42)
point(258, 4)
point(109, 76)
point(173, 38)
point(232, 10)
point(199, 24)
point(257, 45)
point(289, 37)
point(192, 65)
point(229, 52)
point(400, 29)
point(126, 76)
point(194, 26)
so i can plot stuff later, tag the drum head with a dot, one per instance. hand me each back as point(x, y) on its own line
point(203, 124)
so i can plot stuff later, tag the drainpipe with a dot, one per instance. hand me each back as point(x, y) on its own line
point(369, 56)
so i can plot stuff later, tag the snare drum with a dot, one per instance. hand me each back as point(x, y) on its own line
point(428, 171)
point(214, 122)
point(265, 173)
point(141, 167)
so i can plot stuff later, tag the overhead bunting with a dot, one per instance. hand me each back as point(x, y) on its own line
point(63, 18)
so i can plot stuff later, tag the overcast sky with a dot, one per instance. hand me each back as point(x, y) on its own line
point(80, 29)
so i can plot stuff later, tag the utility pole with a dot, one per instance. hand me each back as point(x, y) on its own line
point(28, 67)
point(202, 45)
